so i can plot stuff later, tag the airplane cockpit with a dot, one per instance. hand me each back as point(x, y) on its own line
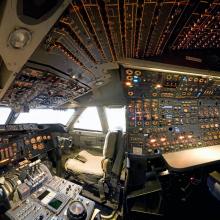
point(109, 109)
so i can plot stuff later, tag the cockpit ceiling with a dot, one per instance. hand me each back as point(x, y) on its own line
point(95, 32)
point(113, 29)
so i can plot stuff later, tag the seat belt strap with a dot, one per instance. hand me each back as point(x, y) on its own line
point(117, 166)
point(101, 190)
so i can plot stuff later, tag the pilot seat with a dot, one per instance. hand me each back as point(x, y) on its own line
point(100, 172)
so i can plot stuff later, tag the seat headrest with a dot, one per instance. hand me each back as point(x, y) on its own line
point(110, 144)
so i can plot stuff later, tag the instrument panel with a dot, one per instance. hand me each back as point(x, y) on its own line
point(169, 112)
point(43, 196)
point(34, 88)
point(17, 144)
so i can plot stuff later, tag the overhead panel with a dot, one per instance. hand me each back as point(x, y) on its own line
point(114, 22)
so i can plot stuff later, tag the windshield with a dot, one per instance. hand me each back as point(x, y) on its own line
point(89, 120)
point(45, 116)
point(4, 113)
point(116, 118)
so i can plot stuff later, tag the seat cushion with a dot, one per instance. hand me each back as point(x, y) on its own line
point(86, 155)
point(91, 166)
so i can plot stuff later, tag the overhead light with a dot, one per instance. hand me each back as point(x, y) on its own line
point(99, 83)
point(19, 38)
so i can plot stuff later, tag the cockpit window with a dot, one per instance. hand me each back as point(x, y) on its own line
point(89, 120)
point(45, 116)
point(4, 113)
point(116, 118)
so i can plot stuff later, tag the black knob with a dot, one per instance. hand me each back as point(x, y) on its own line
point(76, 211)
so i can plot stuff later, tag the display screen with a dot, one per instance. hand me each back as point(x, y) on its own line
point(43, 195)
point(55, 203)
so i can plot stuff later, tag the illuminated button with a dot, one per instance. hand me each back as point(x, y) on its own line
point(158, 86)
point(128, 83)
point(181, 137)
point(163, 139)
point(152, 140)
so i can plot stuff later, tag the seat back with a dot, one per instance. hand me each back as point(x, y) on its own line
point(112, 146)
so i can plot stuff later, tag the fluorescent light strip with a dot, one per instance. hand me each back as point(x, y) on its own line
point(181, 72)
point(169, 71)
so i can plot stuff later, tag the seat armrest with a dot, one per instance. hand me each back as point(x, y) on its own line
point(106, 165)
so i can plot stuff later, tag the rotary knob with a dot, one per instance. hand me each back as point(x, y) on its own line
point(76, 211)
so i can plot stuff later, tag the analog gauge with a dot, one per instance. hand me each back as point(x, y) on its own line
point(33, 140)
point(130, 93)
point(129, 72)
point(40, 146)
point(34, 146)
point(39, 139)
point(137, 72)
